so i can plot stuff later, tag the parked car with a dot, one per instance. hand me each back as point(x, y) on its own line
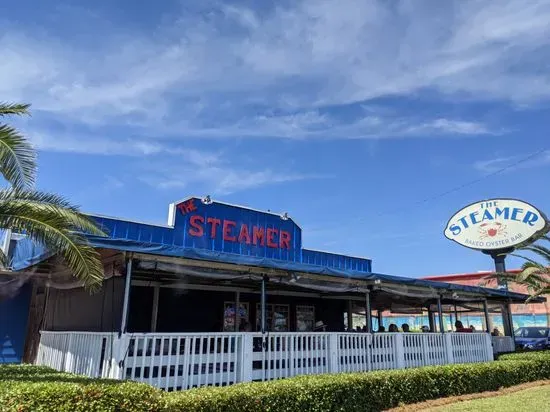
point(532, 337)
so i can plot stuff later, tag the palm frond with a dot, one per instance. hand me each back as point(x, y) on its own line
point(17, 158)
point(539, 250)
point(530, 271)
point(56, 204)
point(527, 259)
point(18, 109)
point(54, 227)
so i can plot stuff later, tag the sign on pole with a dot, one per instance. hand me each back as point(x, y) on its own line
point(497, 227)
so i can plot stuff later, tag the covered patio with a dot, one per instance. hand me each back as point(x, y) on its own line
point(179, 310)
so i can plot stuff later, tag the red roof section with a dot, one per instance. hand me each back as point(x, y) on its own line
point(481, 279)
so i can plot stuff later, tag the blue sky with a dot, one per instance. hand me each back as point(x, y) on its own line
point(346, 114)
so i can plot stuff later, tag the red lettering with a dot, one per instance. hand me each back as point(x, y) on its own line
point(258, 235)
point(227, 226)
point(244, 236)
point(187, 206)
point(284, 239)
point(196, 222)
point(271, 233)
point(213, 229)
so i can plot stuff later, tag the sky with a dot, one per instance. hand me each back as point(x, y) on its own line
point(369, 122)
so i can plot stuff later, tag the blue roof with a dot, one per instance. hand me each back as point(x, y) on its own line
point(189, 236)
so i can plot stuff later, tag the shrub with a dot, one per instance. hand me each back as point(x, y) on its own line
point(373, 391)
point(526, 355)
point(25, 388)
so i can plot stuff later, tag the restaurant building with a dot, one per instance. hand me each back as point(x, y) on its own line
point(225, 294)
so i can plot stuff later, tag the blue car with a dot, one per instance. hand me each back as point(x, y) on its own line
point(532, 337)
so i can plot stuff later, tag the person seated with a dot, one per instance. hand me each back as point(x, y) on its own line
point(358, 329)
point(320, 326)
point(364, 329)
point(393, 328)
point(245, 327)
point(425, 329)
point(459, 327)
point(495, 332)
point(472, 328)
point(405, 327)
point(381, 328)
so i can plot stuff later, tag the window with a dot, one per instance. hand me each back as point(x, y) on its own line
point(276, 317)
point(229, 315)
point(305, 318)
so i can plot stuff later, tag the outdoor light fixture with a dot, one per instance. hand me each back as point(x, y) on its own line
point(206, 200)
point(285, 216)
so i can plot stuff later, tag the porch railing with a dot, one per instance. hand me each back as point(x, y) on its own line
point(83, 353)
point(174, 361)
point(503, 344)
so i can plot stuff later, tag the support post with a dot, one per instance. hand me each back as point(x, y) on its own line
point(499, 257)
point(511, 319)
point(350, 315)
point(456, 314)
point(368, 314)
point(237, 310)
point(126, 301)
point(507, 321)
point(155, 311)
point(263, 307)
point(380, 323)
point(431, 321)
point(440, 314)
point(487, 317)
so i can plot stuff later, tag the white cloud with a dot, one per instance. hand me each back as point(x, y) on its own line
point(538, 159)
point(298, 59)
point(447, 126)
point(219, 179)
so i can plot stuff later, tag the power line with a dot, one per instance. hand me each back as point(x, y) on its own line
point(472, 182)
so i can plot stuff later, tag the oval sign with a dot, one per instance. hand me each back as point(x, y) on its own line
point(496, 224)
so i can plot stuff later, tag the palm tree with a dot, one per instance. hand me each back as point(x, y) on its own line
point(534, 275)
point(45, 218)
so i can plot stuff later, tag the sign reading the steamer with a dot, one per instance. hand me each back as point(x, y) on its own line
point(496, 224)
point(228, 228)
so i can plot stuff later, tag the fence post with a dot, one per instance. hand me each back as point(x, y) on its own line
point(245, 355)
point(333, 364)
point(118, 357)
point(449, 347)
point(69, 356)
point(489, 347)
point(399, 351)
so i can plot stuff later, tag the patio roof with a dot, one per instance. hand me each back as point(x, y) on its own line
point(28, 254)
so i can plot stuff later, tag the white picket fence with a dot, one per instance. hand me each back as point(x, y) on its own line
point(503, 344)
point(175, 361)
point(83, 353)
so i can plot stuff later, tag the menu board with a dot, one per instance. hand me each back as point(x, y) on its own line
point(305, 318)
point(229, 317)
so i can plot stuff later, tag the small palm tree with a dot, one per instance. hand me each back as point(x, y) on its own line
point(534, 275)
point(45, 218)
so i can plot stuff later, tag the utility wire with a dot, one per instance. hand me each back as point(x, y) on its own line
point(472, 182)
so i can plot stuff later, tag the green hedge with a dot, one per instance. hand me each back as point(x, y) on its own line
point(26, 388)
point(526, 355)
point(29, 388)
point(373, 391)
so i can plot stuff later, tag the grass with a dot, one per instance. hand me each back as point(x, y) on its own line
point(533, 399)
point(529, 396)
